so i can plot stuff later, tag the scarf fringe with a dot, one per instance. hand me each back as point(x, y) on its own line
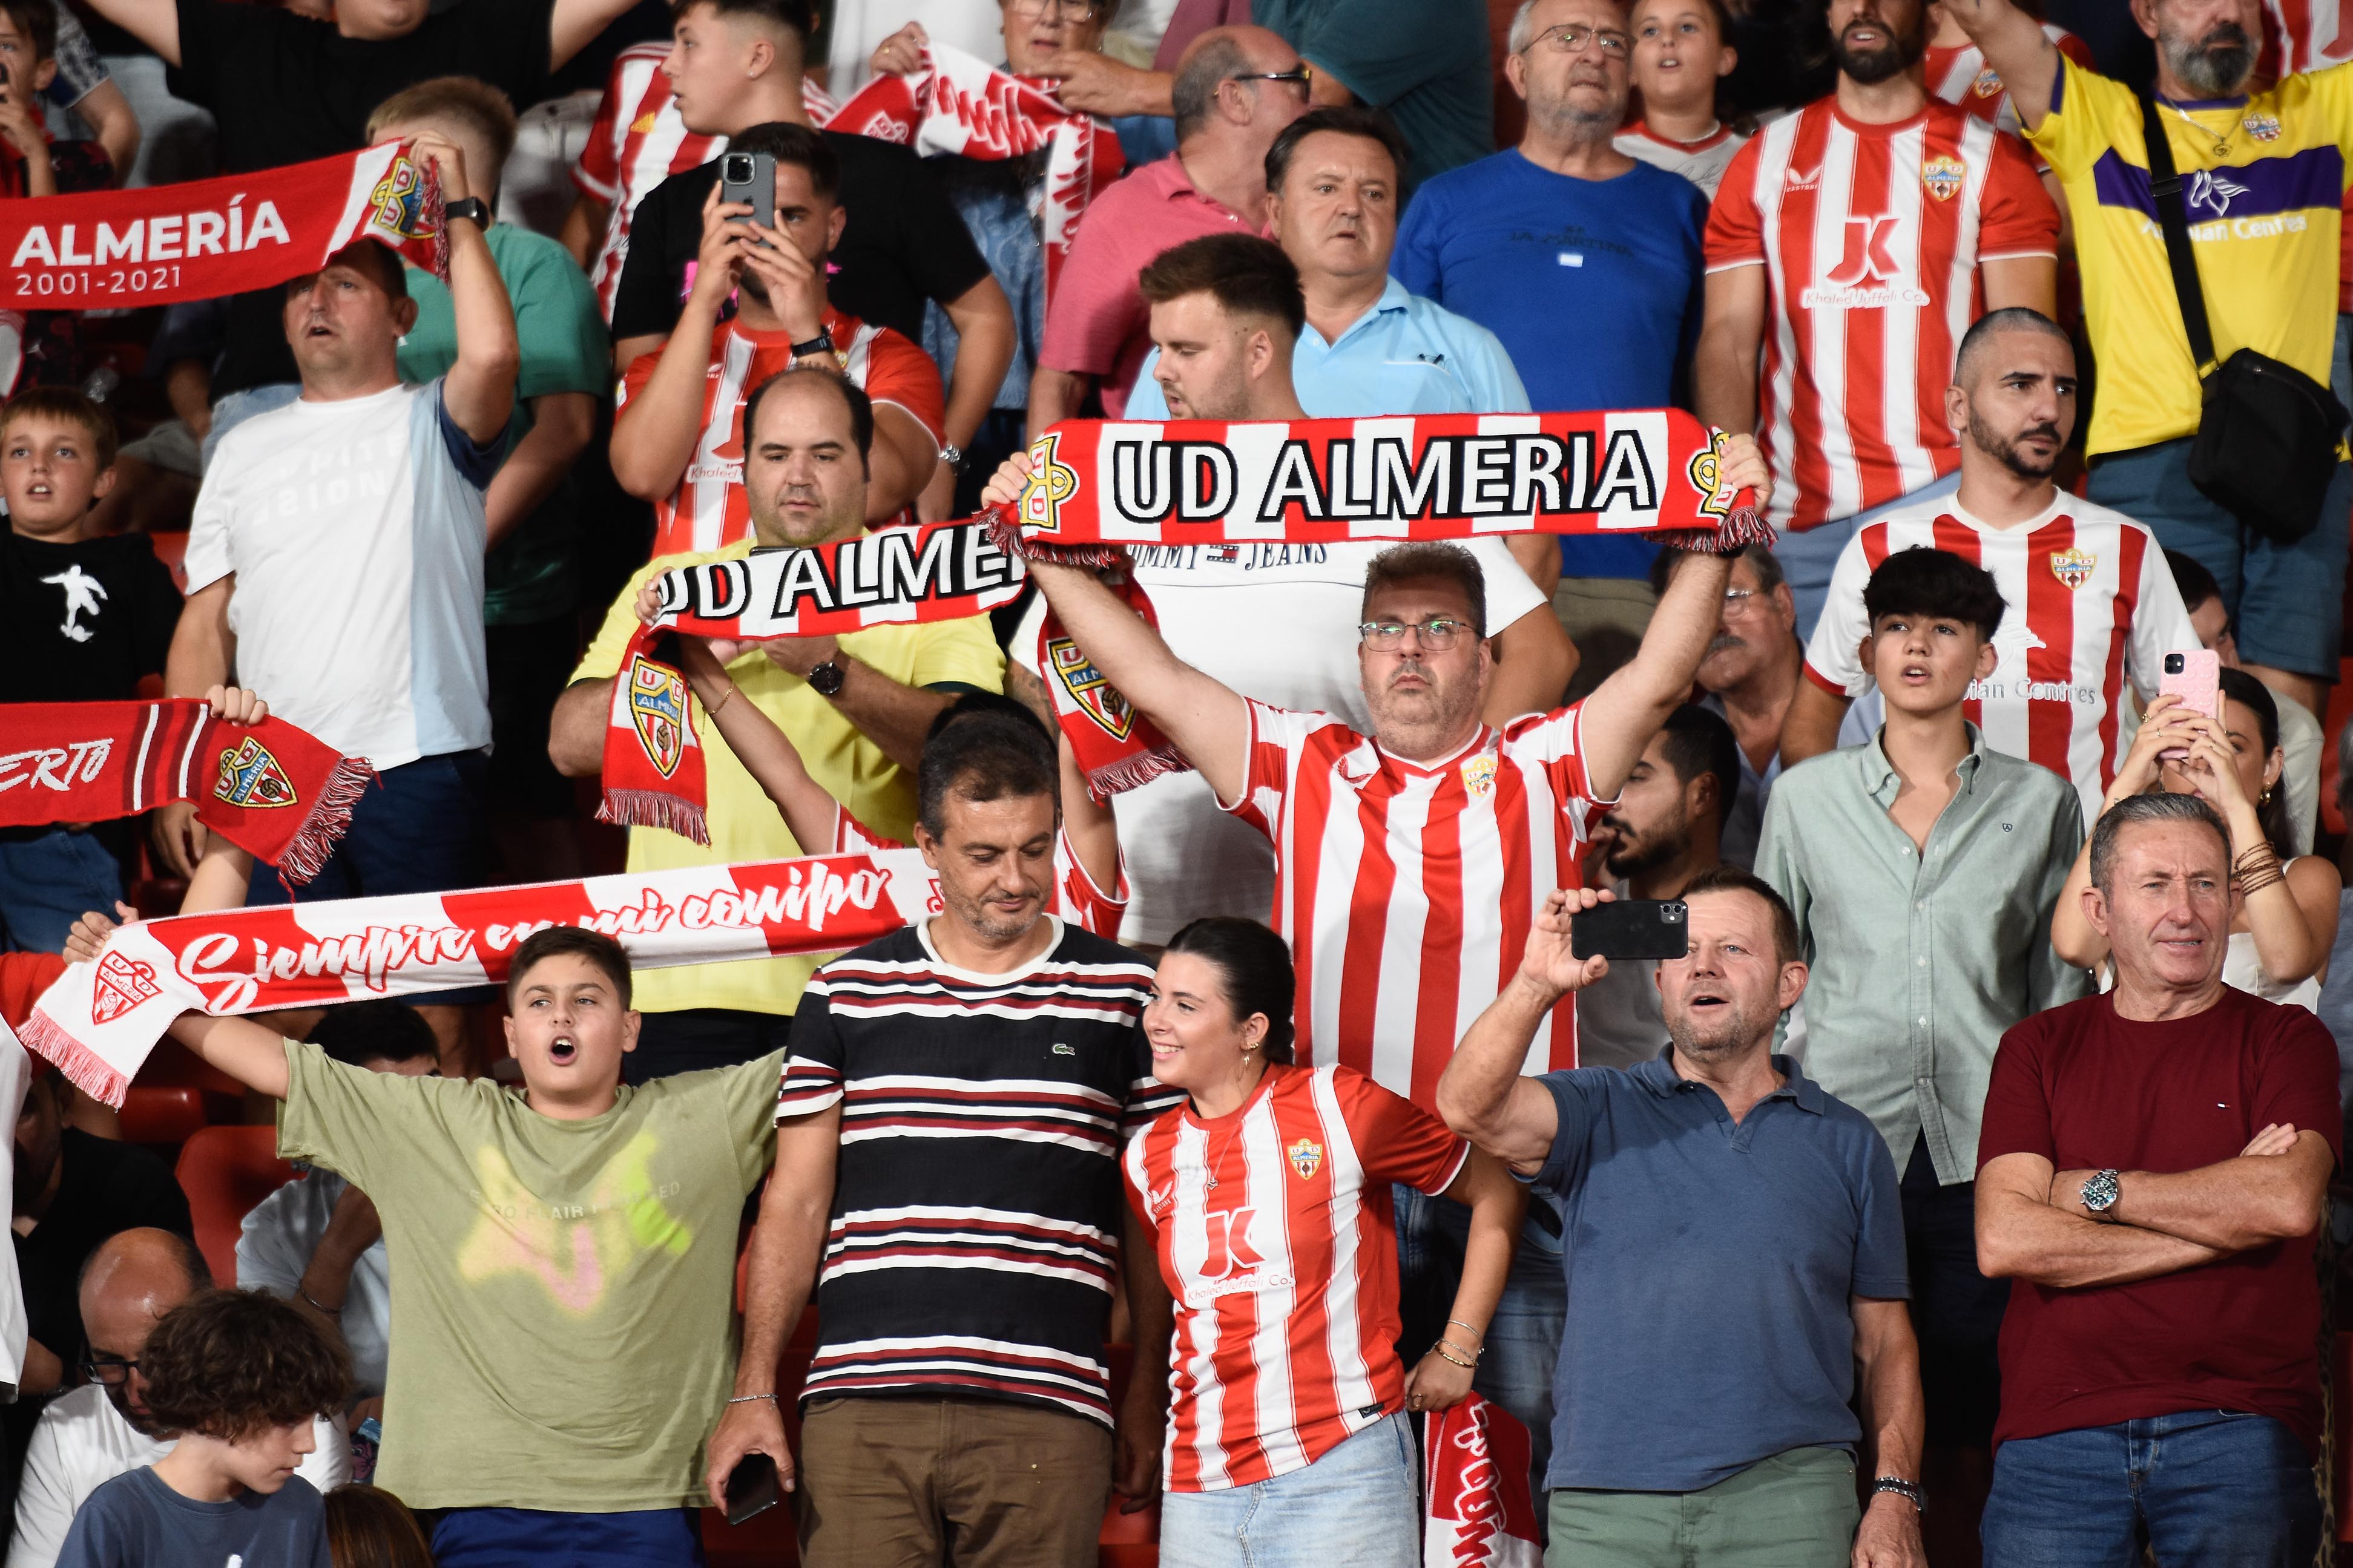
point(1123, 773)
point(1006, 535)
point(1745, 526)
point(83, 1068)
point(655, 808)
point(331, 816)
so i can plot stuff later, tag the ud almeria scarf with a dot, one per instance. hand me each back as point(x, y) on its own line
point(207, 238)
point(99, 1020)
point(956, 104)
point(268, 788)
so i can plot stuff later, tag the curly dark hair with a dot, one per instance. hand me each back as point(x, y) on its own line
point(224, 1363)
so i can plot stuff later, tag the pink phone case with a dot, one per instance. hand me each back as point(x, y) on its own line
point(2200, 684)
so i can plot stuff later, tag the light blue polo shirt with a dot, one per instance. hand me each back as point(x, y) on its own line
point(1405, 355)
point(1752, 1237)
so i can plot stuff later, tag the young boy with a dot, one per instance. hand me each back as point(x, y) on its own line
point(1922, 868)
point(563, 1261)
point(241, 1378)
point(84, 617)
point(47, 350)
point(1680, 60)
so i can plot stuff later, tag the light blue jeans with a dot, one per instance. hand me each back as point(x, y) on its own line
point(1356, 1507)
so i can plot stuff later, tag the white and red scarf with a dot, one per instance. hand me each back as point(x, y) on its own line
point(282, 795)
point(956, 103)
point(207, 238)
point(1480, 1511)
point(99, 1019)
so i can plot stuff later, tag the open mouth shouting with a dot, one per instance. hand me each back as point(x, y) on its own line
point(563, 1051)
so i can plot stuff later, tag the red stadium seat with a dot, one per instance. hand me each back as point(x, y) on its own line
point(226, 1172)
point(161, 1116)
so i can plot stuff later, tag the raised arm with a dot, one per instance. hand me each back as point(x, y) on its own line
point(203, 650)
point(655, 432)
point(1533, 658)
point(1627, 709)
point(154, 22)
point(1811, 725)
point(2276, 1189)
point(2020, 1235)
point(246, 1051)
point(478, 391)
point(573, 24)
point(2016, 49)
point(766, 753)
point(1483, 1094)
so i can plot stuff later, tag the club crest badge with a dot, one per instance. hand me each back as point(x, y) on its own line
point(122, 984)
point(1706, 471)
point(1988, 85)
point(2073, 567)
point(1094, 696)
point(1479, 775)
point(1051, 482)
point(397, 203)
point(250, 776)
point(1306, 1158)
point(658, 709)
point(1944, 176)
point(2262, 127)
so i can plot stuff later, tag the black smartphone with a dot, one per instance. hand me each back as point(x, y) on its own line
point(750, 177)
point(753, 1488)
point(1630, 928)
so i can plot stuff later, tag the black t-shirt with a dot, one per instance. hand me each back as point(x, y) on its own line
point(84, 621)
point(905, 242)
point(107, 1188)
point(286, 88)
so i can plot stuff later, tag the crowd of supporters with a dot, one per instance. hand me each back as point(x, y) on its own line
point(1823, 1051)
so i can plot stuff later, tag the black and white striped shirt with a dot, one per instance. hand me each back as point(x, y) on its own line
point(977, 1205)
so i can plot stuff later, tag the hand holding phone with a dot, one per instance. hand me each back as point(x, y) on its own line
point(753, 1488)
point(2195, 677)
point(1631, 928)
point(750, 178)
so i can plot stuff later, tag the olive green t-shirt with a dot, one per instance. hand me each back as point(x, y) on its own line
point(563, 1292)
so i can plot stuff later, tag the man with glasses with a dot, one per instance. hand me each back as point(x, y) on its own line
point(1588, 265)
point(1750, 677)
point(1850, 246)
point(1411, 862)
point(1234, 89)
point(2093, 604)
point(101, 1429)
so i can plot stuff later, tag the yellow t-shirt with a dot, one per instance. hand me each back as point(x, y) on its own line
point(744, 824)
point(2264, 224)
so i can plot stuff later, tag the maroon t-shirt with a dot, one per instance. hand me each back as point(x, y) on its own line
point(2088, 1091)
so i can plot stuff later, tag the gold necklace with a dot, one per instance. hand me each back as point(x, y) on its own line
point(1241, 1116)
point(2221, 138)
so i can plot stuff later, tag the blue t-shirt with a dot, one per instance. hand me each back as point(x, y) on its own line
point(136, 1521)
point(1766, 1229)
point(1593, 286)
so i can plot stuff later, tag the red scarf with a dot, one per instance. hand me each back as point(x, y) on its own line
point(1480, 1513)
point(212, 238)
point(1117, 748)
point(954, 103)
point(268, 788)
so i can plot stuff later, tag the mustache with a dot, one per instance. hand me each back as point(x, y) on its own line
point(2046, 429)
point(2225, 36)
point(1725, 642)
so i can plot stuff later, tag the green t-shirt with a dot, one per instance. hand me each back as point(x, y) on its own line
point(532, 576)
point(563, 1292)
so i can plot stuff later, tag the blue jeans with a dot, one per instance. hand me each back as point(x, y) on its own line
point(1808, 559)
point(48, 883)
point(1356, 1507)
point(1523, 1339)
point(532, 1538)
point(2209, 1488)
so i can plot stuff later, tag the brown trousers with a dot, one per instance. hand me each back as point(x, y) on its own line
point(925, 1482)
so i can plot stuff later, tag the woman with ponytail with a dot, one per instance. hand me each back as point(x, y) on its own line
point(1267, 1196)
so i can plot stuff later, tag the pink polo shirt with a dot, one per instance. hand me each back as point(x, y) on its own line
point(1098, 324)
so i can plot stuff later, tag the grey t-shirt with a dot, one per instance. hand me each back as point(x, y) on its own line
point(136, 1521)
point(1766, 1229)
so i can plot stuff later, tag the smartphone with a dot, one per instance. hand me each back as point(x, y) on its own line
point(1630, 928)
point(750, 177)
point(753, 1488)
point(2196, 677)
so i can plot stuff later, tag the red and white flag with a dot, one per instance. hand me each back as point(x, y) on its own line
point(1481, 1514)
point(954, 102)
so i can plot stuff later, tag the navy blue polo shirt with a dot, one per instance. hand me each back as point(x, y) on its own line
point(1709, 1268)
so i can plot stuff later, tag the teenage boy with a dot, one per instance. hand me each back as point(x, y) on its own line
point(565, 1287)
point(1922, 869)
point(84, 617)
point(242, 1378)
point(1680, 61)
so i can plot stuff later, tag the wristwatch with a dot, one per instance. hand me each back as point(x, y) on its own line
point(951, 455)
point(827, 680)
point(1907, 1490)
point(2099, 1191)
point(468, 207)
point(820, 344)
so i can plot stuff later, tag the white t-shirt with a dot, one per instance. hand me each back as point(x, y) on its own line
point(860, 25)
point(355, 531)
point(16, 1076)
point(279, 1236)
point(82, 1442)
point(1276, 623)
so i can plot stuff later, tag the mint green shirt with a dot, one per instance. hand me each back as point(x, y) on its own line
point(533, 575)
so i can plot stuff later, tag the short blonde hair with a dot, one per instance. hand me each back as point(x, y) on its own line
point(478, 106)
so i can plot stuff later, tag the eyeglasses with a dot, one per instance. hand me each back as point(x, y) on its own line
point(1740, 601)
point(1299, 73)
point(1439, 633)
point(110, 1370)
point(1570, 38)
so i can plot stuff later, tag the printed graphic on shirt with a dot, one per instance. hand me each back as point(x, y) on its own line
point(84, 596)
point(574, 1250)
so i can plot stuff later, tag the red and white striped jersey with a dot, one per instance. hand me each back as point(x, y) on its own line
point(1958, 75)
point(1701, 163)
point(1871, 236)
point(638, 141)
point(708, 509)
point(2091, 606)
point(1074, 894)
point(1407, 889)
point(1274, 1232)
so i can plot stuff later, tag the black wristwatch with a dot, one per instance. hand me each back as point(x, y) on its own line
point(1909, 1491)
point(827, 680)
point(820, 344)
point(468, 207)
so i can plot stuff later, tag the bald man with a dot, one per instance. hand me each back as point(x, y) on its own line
point(99, 1431)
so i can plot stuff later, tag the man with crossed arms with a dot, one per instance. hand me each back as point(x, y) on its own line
point(1411, 862)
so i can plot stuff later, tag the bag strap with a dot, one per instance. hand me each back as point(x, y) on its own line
point(2173, 217)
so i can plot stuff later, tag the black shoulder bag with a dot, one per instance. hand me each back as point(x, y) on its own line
point(2267, 436)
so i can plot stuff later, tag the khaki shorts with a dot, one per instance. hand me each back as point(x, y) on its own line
point(1796, 1510)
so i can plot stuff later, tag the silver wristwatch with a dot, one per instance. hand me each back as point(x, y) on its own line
point(951, 455)
point(2099, 1191)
